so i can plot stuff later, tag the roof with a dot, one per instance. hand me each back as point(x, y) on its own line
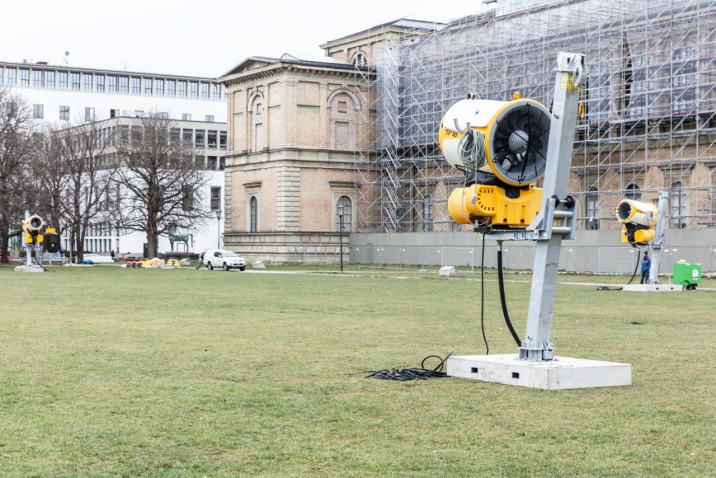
point(45, 66)
point(308, 60)
point(409, 22)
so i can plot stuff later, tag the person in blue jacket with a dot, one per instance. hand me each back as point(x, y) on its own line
point(645, 266)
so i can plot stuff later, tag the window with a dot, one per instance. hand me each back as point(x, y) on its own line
point(345, 203)
point(633, 192)
point(87, 82)
point(187, 202)
point(159, 87)
point(162, 115)
point(187, 136)
point(592, 209)
point(360, 60)
point(171, 88)
point(99, 83)
point(222, 163)
point(211, 141)
point(186, 116)
point(38, 111)
point(222, 140)
point(212, 160)
point(182, 89)
point(124, 84)
point(112, 84)
point(136, 86)
point(194, 89)
point(199, 138)
point(427, 214)
point(11, 77)
point(114, 113)
point(75, 77)
point(63, 80)
point(254, 212)
point(677, 203)
point(174, 135)
point(50, 80)
point(37, 79)
point(148, 87)
point(205, 91)
point(65, 113)
point(24, 77)
point(89, 114)
point(343, 107)
point(215, 198)
point(209, 118)
point(215, 91)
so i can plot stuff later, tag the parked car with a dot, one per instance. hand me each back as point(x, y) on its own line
point(132, 258)
point(224, 259)
point(97, 258)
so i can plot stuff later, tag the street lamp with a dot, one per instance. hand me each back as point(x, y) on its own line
point(340, 232)
point(218, 228)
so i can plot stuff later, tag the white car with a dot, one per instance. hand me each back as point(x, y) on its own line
point(225, 259)
point(98, 259)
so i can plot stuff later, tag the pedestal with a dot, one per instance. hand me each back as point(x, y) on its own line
point(653, 288)
point(559, 374)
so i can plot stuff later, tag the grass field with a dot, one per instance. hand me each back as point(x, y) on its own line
point(106, 371)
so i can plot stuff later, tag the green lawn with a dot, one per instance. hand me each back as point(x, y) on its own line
point(108, 371)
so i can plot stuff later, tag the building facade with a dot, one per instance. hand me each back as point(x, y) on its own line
point(294, 126)
point(61, 95)
point(209, 142)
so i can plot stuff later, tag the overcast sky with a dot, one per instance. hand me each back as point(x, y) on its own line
point(199, 37)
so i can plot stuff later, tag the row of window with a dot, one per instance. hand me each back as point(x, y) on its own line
point(38, 112)
point(98, 245)
point(343, 214)
point(102, 83)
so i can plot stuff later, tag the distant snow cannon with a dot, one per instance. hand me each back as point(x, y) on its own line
point(639, 219)
point(502, 146)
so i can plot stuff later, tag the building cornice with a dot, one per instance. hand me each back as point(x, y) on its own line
point(271, 71)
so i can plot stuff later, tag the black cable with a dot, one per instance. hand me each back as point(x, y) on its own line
point(482, 293)
point(415, 373)
point(502, 298)
point(636, 266)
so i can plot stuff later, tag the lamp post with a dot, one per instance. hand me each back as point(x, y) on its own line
point(218, 228)
point(340, 233)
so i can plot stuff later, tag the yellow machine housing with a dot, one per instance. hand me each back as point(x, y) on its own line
point(31, 227)
point(641, 236)
point(490, 203)
point(638, 219)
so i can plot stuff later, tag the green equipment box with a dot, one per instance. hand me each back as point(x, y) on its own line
point(687, 274)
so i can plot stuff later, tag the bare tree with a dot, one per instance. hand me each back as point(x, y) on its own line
point(79, 172)
point(160, 185)
point(17, 145)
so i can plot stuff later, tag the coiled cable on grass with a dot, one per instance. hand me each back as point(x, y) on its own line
point(415, 373)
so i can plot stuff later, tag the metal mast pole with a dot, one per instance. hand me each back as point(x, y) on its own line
point(570, 75)
point(659, 238)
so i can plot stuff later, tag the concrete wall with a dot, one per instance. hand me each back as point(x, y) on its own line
point(591, 251)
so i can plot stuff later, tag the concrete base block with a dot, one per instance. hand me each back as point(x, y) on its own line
point(258, 265)
point(29, 269)
point(653, 288)
point(447, 271)
point(562, 373)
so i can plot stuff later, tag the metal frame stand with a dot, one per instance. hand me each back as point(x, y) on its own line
point(536, 365)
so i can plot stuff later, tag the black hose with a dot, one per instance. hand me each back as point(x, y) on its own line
point(636, 266)
point(482, 294)
point(500, 280)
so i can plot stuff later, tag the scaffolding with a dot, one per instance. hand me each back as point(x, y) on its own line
point(647, 116)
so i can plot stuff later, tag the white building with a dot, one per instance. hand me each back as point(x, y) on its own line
point(71, 94)
point(62, 95)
